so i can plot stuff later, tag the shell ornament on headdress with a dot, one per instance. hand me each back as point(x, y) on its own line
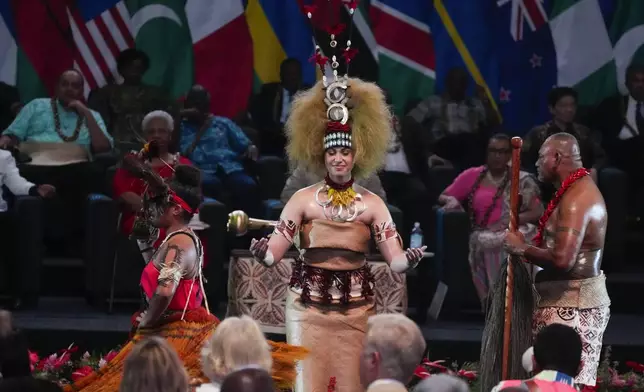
point(339, 112)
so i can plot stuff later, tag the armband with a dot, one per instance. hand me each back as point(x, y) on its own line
point(170, 274)
point(287, 228)
point(171, 271)
point(385, 231)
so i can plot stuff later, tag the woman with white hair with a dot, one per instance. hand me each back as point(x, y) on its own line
point(129, 190)
point(237, 343)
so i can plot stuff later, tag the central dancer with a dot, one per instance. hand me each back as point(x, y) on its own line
point(339, 129)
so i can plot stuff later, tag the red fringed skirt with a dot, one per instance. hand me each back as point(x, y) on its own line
point(187, 336)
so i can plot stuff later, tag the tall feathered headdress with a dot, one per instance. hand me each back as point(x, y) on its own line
point(339, 111)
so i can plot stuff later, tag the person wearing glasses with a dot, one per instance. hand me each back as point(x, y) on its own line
point(484, 192)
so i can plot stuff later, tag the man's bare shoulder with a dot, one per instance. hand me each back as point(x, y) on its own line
point(582, 195)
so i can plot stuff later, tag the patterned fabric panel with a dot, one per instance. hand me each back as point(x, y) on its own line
point(260, 292)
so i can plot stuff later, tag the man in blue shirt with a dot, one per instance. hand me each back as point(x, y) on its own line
point(218, 147)
point(61, 136)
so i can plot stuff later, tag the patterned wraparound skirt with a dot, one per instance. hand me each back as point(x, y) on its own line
point(334, 335)
point(187, 338)
point(590, 324)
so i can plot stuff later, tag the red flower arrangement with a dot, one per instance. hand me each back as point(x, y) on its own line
point(61, 368)
point(608, 377)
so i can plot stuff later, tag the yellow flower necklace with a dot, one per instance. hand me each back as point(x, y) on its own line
point(340, 194)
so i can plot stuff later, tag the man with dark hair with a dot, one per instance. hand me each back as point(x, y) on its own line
point(562, 102)
point(557, 360)
point(270, 108)
point(456, 126)
point(61, 136)
point(123, 106)
point(620, 118)
point(218, 147)
point(248, 380)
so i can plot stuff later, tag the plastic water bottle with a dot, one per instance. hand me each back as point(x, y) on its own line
point(416, 238)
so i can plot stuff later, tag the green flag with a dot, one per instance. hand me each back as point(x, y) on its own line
point(593, 52)
point(161, 30)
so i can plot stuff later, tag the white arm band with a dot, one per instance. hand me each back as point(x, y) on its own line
point(400, 264)
point(269, 260)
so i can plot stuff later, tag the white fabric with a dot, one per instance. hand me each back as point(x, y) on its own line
point(212, 387)
point(527, 360)
point(385, 381)
point(400, 264)
point(286, 105)
point(581, 41)
point(626, 133)
point(397, 162)
point(10, 176)
point(54, 154)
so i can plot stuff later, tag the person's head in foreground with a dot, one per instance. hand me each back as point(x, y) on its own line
point(393, 348)
point(154, 366)
point(237, 342)
point(557, 347)
point(442, 383)
point(14, 349)
point(250, 379)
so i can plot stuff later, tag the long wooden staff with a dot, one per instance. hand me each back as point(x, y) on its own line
point(517, 143)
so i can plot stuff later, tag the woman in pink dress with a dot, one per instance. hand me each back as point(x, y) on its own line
point(483, 191)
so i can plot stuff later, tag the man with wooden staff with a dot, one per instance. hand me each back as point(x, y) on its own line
point(569, 247)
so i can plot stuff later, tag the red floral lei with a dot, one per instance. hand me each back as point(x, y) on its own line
point(571, 179)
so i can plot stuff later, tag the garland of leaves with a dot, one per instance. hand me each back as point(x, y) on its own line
point(79, 124)
point(488, 212)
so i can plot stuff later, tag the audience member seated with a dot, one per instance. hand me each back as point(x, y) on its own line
point(484, 192)
point(620, 119)
point(154, 366)
point(60, 135)
point(248, 380)
point(562, 102)
point(124, 105)
point(406, 187)
point(270, 108)
point(442, 383)
point(129, 190)
point(21, 270)
point(457, 126)
point(236, 343)
point(393, 347)
point(556, 361)
point(301, 178)
point(218, 147)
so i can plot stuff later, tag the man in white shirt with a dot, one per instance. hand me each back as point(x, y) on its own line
point(22, 270)
point(393, 348)
point(621, 121)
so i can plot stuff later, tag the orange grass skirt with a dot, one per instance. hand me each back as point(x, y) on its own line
point(187, 337)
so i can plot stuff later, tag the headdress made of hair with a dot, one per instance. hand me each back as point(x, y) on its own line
point(339, 111)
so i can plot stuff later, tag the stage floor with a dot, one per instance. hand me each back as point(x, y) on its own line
point(58, 322)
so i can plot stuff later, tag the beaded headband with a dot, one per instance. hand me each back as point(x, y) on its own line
point(338, 130)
